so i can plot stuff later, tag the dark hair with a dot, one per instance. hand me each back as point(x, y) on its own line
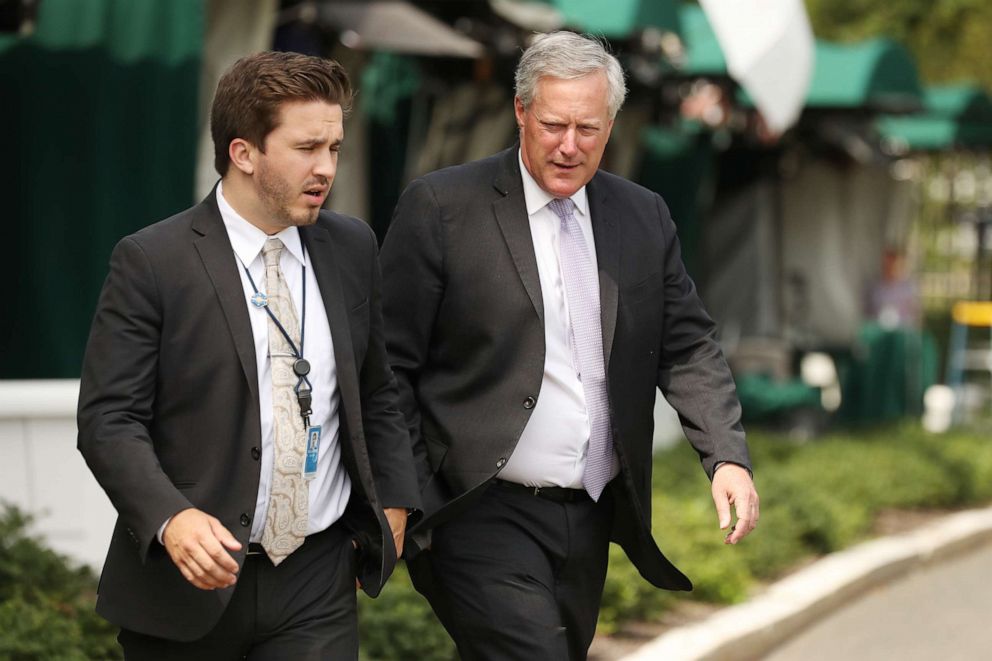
point(250, 94)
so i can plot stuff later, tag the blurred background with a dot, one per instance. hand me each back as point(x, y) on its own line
point(833, 205)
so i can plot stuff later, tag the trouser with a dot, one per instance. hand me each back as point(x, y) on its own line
point(519, 575)
point(303, 609)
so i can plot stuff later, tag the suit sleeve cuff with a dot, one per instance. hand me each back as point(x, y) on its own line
point(721, 463)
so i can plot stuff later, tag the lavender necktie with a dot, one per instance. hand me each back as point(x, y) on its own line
point(587, 344)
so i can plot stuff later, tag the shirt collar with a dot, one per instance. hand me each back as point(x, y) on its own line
point(537, 198)
point(247, 240)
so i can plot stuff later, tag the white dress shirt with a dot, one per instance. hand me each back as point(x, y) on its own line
point(553, 446)
point(331, 487)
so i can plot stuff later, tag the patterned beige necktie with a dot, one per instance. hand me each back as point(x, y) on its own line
point(287, 517)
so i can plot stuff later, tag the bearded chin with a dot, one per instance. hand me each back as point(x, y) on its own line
point(311, 217)
point(298, 219)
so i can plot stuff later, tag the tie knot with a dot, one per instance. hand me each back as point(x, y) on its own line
point(562, 206)
point(271, 252)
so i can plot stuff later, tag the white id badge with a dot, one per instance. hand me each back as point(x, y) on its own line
point(313, 448)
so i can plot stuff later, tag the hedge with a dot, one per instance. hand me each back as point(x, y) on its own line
point(46, 603)
point(815, 498)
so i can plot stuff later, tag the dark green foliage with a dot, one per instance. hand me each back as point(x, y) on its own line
point(46, 603)
point(815, 498)
point(399, 624)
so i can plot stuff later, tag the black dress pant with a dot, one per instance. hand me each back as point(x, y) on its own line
point(518, 576)
point(303, 609)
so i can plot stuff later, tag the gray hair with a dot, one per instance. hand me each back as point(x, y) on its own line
point(568, 55)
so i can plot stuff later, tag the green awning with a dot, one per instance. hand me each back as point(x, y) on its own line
point(878, 74)
point(126, 30)
point(616, 19)
point(703, 55)
point(963, 101)
point(956, 116)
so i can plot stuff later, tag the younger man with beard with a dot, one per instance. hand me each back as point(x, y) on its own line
point(236, 402)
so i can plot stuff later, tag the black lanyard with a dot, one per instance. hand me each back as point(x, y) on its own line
point(301, 366)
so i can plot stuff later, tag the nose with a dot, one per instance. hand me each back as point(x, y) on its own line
point(327, 164)
point(568, 146)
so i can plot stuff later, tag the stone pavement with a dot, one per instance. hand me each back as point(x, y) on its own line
point(754, 629)
point(941, 611)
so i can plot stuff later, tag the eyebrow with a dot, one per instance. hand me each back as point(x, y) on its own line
point(582, 123)
point(314, 142)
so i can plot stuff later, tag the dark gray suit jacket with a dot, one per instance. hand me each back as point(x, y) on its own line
point(464, 328)
point(168, 409)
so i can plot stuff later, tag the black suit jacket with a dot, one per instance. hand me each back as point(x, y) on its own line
point(169, 415)
point(465, 332)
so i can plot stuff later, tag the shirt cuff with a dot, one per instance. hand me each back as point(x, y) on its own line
point(161, 531)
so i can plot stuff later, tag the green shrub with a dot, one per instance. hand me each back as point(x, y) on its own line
point(399, 624)
point(816, 498)
point(696, 546)
point(46, 603)
point(973, 460)
point(627, 596)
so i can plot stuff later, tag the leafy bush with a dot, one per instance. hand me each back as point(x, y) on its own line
point(46, 603)
point(46, 609)
point(399, 624)
point(815, 498)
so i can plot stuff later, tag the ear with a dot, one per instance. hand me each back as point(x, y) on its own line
point(519, 110)
point(242, 155)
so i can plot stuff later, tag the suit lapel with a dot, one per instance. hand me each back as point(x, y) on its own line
point(511, 214)
point(606, 233)
point(217, 255)
point(321, 251)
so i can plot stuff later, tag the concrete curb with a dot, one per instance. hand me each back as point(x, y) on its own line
point(751, 629)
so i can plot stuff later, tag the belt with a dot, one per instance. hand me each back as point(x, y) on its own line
point(557, 494)
point(256, 549)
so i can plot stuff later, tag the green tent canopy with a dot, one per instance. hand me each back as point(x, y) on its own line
point(961, 101)
point(955, 116)
point(703, 55)
point(617, 19)
point(878, 74)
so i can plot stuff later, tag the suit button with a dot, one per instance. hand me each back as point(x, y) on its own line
point(245, 520)
point(529, 403)
point(256, 453)
point(501, 462)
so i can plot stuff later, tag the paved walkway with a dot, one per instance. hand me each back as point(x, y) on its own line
point(940, 611)
point(896, 580)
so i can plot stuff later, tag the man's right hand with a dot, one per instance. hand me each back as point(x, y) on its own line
point(198, 545)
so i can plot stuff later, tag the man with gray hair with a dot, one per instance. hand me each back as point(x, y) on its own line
point(533, 304)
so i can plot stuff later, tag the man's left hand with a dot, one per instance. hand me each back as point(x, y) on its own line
point(397, 523)
point(732, 485)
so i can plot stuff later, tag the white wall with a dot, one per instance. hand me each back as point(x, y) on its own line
point(42, 472)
